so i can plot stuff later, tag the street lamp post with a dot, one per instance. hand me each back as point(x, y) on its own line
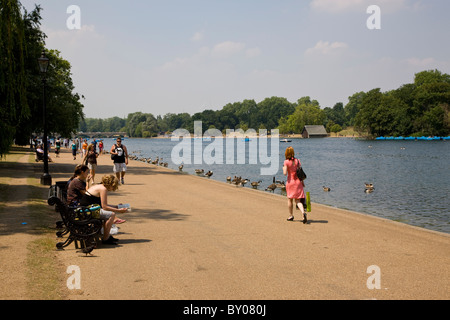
point(46, 178)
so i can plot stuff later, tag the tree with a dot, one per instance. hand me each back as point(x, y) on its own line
point(21, 43)
point(307, 112)
point(13, 101)
point(336, 114)
point(353, 106)
point(382, 114)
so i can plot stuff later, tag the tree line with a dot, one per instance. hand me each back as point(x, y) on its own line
point(414, 109)
point(21, 85)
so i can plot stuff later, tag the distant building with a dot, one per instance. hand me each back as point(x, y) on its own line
point(314, 132)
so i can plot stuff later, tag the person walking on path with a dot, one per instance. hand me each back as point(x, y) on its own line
point(84, 146)
point(74, 149)
point(294, 186)
point(98, 194)
point(119, 154)
point(90, 159)
point(57, 147)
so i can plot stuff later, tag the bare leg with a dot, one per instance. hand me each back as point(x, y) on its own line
point(291, 208)
point(107, 226)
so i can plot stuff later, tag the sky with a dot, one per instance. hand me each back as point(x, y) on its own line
point(176, 56)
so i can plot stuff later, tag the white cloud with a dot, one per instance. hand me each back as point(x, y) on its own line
point(227, 49)
point(326, 48)
point(342, 6)
point(252, 52)
point(197, 36)
point(75, 38)
point(422, 63)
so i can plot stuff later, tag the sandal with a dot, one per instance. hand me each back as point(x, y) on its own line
point(291, 218)
point(119, 221)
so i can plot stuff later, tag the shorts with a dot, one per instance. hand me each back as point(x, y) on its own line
point(119, 167)
point(74, 152)
point(92, 166)
point(105, 215)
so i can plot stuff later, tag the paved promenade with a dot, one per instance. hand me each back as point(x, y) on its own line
point(189, 237)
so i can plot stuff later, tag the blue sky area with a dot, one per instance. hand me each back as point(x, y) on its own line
point(164, 57)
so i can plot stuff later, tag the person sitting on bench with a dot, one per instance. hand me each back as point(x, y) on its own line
point(98, 194)
point(77, 186)
point(40, 154)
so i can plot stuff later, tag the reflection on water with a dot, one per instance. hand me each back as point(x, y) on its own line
point(411, 178)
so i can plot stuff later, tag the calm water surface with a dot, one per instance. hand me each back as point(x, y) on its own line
point(411, 178)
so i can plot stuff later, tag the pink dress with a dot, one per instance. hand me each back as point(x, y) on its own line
point(294, 187)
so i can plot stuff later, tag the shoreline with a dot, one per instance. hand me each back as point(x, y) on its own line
point(193, 238)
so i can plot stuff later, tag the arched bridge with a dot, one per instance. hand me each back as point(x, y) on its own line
point(101, 134)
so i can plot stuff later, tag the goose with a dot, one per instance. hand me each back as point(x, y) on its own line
point(272, 187)
point(326, 189)
point(280, 184)
point(243, 182)
point(255, 184)
point(209, 173)
point(236, 180)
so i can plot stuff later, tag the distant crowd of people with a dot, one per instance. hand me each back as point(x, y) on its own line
point(77, 145)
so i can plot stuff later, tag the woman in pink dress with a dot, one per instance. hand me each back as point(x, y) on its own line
point(294, 186)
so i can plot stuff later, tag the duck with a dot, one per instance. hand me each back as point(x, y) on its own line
point(209, 173)
point(180, 168)
point(369, 188)
point(229, 179)
point(199, 171)
point(368, 185)
point(326, 189)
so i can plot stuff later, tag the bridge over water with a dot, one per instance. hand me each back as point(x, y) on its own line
point(101, 134)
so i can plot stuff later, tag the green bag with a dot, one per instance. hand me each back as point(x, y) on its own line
point(308, 202)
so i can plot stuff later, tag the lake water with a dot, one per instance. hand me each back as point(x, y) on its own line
point(411, 178)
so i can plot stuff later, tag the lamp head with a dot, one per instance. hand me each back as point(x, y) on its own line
point(43, 62)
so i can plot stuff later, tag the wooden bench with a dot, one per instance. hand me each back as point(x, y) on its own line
point(77, 223)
